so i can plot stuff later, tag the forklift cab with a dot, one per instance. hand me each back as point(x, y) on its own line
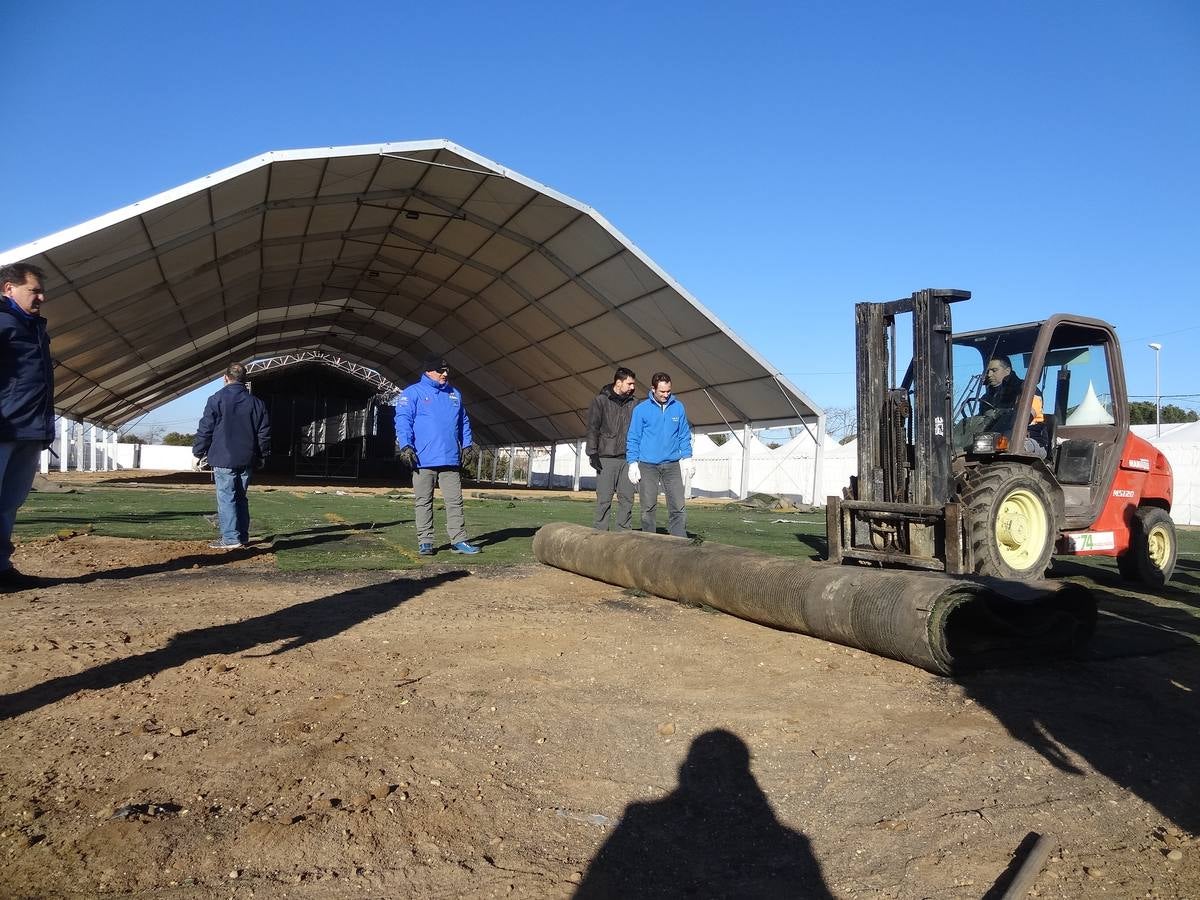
point(1072, 366)
point(945, 478)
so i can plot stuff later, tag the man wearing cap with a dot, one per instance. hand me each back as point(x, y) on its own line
point(434, 433)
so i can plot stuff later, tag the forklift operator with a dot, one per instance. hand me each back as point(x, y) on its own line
point(1002, 393)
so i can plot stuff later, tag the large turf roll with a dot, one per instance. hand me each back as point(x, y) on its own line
point(939, 623)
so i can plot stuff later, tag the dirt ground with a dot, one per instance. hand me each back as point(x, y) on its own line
point(180, 723)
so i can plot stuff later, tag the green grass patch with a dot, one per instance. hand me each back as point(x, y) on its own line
point(361, 531)
point(373, 531)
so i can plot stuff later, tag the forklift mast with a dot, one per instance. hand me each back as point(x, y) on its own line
point(888, 471)
point(901, 507)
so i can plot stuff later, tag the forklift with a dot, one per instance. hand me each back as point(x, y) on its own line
point(950, 480)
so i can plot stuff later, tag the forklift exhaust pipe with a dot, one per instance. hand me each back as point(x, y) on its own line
point(941, 624)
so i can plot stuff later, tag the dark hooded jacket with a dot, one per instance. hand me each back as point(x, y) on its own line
point(608, 423)
point(1004, 395)
point(26, 376)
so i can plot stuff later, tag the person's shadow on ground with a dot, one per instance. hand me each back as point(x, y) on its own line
point(501, 535)
point(299, 624)
point(714, 836)
point(272, 543)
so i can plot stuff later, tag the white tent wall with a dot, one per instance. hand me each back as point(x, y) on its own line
point(163, 458)
point(790, 470)
point(719, 469)
point(1185, 466)
point(841, 462)
point(786, 471)
point(564, 468)
point(716, 476)
point(1180, 444)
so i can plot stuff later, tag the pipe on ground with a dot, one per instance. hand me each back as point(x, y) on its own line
point(942, 624)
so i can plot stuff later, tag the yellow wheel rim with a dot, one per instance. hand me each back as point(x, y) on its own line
point(1158, 546)
point(1022, 529)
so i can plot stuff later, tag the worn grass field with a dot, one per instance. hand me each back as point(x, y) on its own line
point(332, 530)
point(328, 530)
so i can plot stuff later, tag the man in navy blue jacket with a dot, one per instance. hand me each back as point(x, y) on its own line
point(235, 434)
point(659, 451)
point(26, 401)
point(433, 430)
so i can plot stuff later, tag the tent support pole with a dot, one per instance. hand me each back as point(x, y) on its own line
point(744, 490)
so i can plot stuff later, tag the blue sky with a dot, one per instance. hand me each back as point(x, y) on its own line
point(780, 160)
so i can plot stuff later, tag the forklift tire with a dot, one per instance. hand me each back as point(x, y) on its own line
point(1153, 549)
point(1009, 517)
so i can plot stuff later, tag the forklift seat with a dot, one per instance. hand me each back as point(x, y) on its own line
point(1050, 424)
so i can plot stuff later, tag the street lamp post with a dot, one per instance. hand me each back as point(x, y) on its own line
point(1156, 347)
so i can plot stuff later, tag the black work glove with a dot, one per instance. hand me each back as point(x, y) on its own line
point(408, 456)
point(469, 454)
point(594, 460)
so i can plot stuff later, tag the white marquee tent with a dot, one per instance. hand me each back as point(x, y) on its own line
point(378, 255)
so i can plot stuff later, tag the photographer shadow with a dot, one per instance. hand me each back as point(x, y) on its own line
point(714, 836)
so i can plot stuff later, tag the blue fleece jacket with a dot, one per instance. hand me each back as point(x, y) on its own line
point(658, 434)
point(430, 417)
point(26, 376)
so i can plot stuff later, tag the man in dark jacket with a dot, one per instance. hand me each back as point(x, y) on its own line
point(608, 426)
point(235, 434)
point(1001, 392)
point(26, 401)
point(1002, 387)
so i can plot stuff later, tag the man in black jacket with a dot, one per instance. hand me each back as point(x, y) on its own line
point(235, 434)
point(1001, 392)
point(1002, 387)
point(608, 425)
point(26, 401)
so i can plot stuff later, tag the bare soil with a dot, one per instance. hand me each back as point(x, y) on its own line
point(213, 728)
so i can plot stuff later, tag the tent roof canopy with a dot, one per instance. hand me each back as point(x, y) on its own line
point(379, 254)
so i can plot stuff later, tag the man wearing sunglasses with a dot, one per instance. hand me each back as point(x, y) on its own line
point(434, 432)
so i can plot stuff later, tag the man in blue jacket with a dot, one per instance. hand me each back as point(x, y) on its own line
point(659, 452)
point(235, 434)
point(26, 402)
point(434, 431)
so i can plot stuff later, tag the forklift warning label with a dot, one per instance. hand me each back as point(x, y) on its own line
point(1091, 540)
